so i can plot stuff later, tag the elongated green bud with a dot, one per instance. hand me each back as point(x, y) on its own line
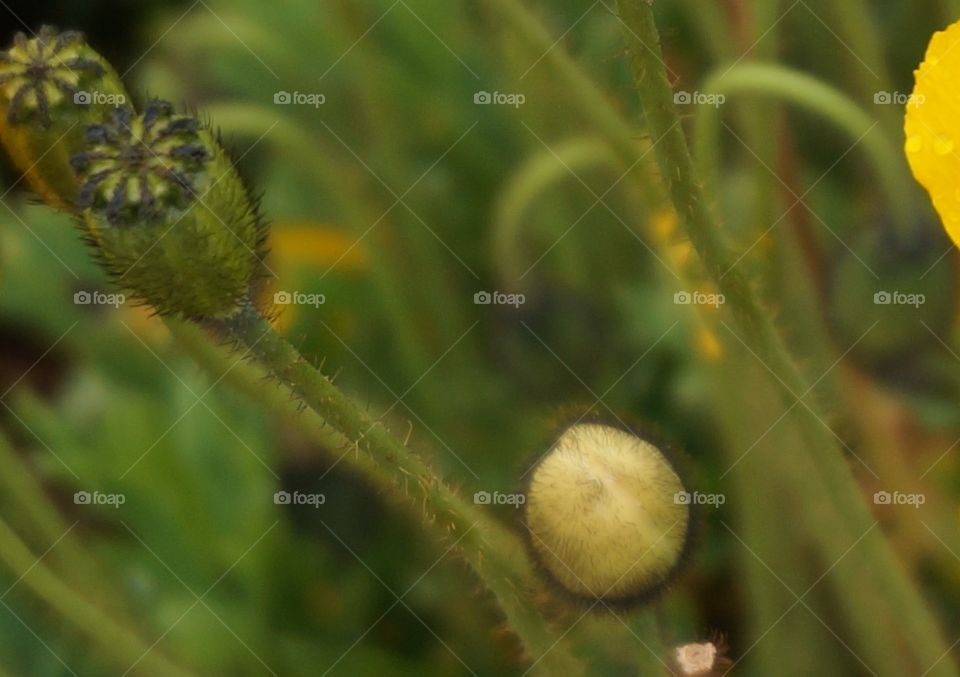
point(51, 88)
point(168, 213)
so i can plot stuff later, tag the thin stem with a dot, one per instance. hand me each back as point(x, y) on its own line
point(766, 492)
point(301, 142)
point(560, 163)
point(785, 84)
point(951, 9)
point(579, 89)
point(37, 515)
point(856, 25)
point(651, 656)
point(712, 26)
point(121, 645)
point(686, 192)
point(492, 551)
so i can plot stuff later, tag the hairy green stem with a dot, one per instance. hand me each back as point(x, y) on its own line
point(759, 332)
point(123, 647)
point(785, 84)
point(492, 551)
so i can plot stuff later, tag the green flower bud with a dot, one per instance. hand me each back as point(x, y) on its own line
point(607, 515)
point(51, 88)
point(170, 217)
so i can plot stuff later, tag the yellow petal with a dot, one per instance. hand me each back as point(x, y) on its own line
point(932, 127)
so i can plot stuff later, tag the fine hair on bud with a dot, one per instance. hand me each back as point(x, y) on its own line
point(51, 87)
point(168, 213)
point(604, 515)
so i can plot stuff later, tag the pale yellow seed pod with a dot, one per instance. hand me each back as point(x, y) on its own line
point(607, 515)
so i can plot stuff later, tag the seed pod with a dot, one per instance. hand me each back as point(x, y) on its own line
point(606, 515)
point(168, 214)
point(51, 88)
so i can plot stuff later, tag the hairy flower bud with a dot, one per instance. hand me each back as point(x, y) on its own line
point(168, 213)
point(51, 87)
point(606, 515)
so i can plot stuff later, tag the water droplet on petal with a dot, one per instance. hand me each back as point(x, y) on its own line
point(915, 144)
point(943, 146)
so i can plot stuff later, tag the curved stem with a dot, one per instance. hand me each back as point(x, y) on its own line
point(686, 192)
point(580, 90)
point(492, 551)
point(856, 26)
point(785, 84)
point(560, 163)
point(125, 648)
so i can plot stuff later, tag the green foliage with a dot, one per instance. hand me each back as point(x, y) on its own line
point(398, 198)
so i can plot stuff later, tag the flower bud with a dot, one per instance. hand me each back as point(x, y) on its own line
point(169, 215)
point(51, 88)
point(606, 515)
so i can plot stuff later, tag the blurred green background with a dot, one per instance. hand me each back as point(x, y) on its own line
point(400, 197)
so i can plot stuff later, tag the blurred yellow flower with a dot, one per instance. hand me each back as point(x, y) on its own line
point(678, 252)
point(299, 247)
point(932, 126)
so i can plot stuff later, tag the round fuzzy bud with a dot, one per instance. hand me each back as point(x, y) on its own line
point(606, 514)
point(51, 87)
point(168, 213)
